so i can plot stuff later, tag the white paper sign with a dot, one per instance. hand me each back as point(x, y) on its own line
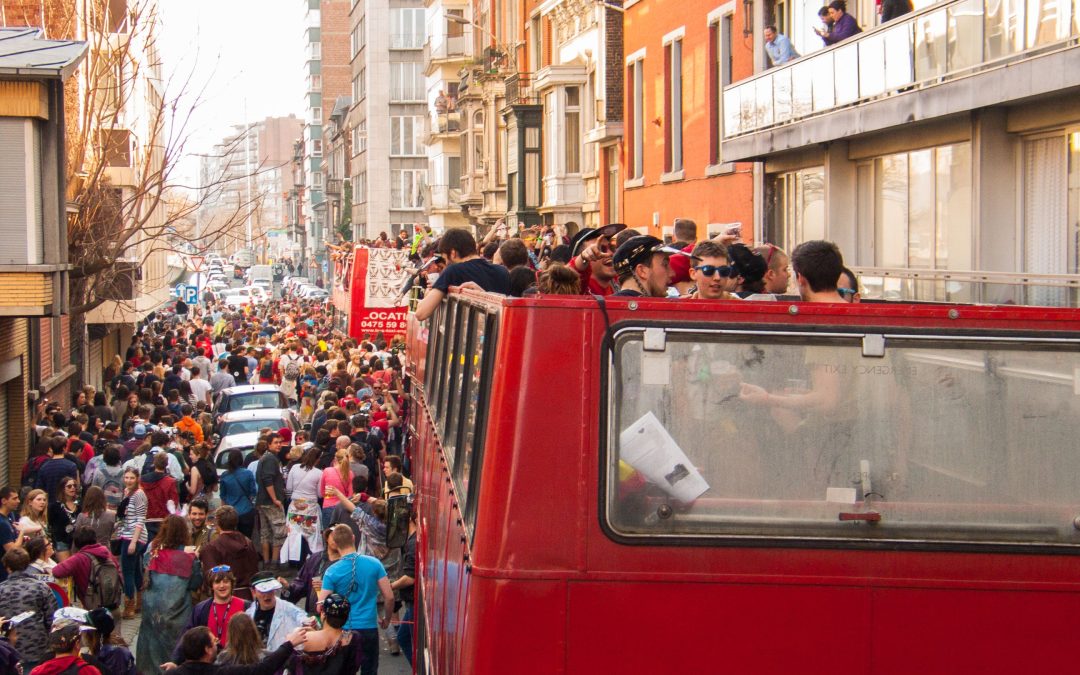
point(648, 447)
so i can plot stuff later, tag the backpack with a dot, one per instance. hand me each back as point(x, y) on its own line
point(104, 588)
point(148, 462)
point(397, 521)
point(292, 369)
point(76, 667)
point(112, 486)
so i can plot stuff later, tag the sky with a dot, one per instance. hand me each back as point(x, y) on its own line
point(244, 55)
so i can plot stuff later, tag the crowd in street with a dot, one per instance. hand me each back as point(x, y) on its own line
point(296, 555)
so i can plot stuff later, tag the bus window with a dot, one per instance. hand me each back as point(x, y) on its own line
point(436, 330)
point(789, 438)
point(478, 383)
point(453, 312)
point(463, 357)
point(456, 344)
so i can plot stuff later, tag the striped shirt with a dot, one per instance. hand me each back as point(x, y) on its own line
point(134, 515)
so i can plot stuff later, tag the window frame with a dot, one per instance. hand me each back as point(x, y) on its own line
point(973, 338)
point(673, 104)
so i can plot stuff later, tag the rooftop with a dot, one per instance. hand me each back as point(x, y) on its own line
point(25, 54)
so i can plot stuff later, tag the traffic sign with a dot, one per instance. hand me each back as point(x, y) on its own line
point(189, 294)
point(197, 261)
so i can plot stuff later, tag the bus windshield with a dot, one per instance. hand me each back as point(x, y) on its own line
point(838, 438)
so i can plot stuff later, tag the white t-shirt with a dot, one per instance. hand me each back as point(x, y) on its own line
point(200, 388)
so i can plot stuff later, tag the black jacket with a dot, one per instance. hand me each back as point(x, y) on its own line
point(268, 666)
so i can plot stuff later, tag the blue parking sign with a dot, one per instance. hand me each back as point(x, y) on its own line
point(189, 294)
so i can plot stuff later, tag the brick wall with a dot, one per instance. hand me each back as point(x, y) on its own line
point(613, 78)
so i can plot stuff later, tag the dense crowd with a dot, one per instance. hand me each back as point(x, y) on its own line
point(295, 555)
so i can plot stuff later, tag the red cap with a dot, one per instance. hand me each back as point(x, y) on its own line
point(680, 266)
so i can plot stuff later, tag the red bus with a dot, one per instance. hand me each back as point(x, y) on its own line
point(656, 486)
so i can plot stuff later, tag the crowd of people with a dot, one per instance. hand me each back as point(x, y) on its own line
point(617, 261)
point(296, 556)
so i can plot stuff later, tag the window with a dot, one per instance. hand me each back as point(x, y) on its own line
point(719, 77)
point(356, 39)
point(536, 40)
point(673, 106)
point(1051, 209)
point(407, 28)
point(361, 136)
point(572, 129)
point(453, 172)
point(904, 435)
point(360, 188)
point(406, 137)
point(407, 188)
point(635, 110)
point(316, 147)
point(613, 187)
point(406, 82)
point(316, 114)
point(795, 210)
point(359, 86)
point(478, 141)
point(551, 132)
point(316, 179)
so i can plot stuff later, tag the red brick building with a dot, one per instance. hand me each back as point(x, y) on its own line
point(678, 56)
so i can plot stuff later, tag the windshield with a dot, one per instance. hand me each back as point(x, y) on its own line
point(246, 426)
point(255, 401)
point(222, 461)
point(777, 435)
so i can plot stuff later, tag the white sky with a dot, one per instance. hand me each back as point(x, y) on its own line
point(244, 54)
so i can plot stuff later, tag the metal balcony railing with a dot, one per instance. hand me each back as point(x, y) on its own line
point(443, 197)
point(519, 90)
point(937, 44)
point(406, 41)
point(333, 186)
point(443, 122)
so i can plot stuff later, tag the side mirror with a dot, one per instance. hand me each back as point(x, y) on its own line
point(307, 426)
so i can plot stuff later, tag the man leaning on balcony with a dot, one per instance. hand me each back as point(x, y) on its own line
point(778, 47)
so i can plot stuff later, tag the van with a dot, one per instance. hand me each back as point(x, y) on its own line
point(256, 272)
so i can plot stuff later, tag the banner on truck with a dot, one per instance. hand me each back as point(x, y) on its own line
point(378, 276)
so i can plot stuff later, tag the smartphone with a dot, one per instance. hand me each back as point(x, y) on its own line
point(733, 229)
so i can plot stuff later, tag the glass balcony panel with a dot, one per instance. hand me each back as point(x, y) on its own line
point(898, 50)
point(872, 66)
point(847, 74)
point(822, 75)
point(748, 108)
point(930, 38)
point(763, 98)
point(966, 35)
point(1004, 28)
point(782, 95)
point(802, 89)
point(732, 111)
point(1047, 22)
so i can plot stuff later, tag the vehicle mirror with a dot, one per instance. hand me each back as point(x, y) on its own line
point(307, 426)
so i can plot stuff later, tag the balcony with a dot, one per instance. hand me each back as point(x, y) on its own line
point(333, 186)
point(519, 90)
point(945, 59)
point(406, 41)
point(445, 50)
point(314, 84)
point(443, 198)
point(442, 125)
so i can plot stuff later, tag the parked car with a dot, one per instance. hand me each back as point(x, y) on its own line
point(235, 301)
point(245, 421)
point(245, 443)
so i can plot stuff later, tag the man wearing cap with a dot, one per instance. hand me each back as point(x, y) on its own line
point(591, 251)
point(274, 617)
point(65, 643)
point(459, 248)
point(642, 265)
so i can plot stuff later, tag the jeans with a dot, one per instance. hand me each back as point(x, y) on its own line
point(367, 654)
point(405, 633)
point(131, 567)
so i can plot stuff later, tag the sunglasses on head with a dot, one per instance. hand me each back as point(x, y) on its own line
point(725, 271)
point(220, 569)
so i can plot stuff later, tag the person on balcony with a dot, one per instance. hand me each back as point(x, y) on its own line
point(778, 46)
point(843, 24)
point(441, 103)
point(892, 9)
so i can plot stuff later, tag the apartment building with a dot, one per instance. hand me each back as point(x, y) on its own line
point(678, 57)
point(447, 49)
point(940, 150)
point(34, 326)
point(389, 163)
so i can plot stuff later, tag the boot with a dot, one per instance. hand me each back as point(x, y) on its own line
point(138, 602)
point(129, 608)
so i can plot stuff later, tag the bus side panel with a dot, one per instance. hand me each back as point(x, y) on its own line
point(973, 631)
point(522, 629)
point(653, 627)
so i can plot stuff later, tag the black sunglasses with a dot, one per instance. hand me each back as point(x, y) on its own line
point(727, 271)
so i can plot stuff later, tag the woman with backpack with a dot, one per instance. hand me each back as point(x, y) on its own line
point(172, 573)
point(96, 516)
point(109, 476)
point(93, 571)
point(131, 531)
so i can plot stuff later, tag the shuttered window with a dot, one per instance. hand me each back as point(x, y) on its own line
point(21, 208)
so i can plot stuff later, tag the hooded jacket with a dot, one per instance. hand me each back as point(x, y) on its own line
point(62, 663)
point(159, 489)
point(78, 567)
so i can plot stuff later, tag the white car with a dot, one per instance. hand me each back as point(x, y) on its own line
point(265, 284)
point(216, 285)
point(314, 293)
point(237, 301)
point(258, 294)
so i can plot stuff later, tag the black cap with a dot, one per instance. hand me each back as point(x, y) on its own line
point(638, 250)
point(587, 234)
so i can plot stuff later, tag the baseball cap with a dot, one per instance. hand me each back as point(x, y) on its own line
point(681, 264)
point(637, 250)
point(587, 234)
point(140, 430)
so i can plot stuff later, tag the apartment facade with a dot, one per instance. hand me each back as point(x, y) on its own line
point(678, 57)
point(941, 151)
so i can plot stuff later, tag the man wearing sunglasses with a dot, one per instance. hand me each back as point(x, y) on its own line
point(713, 277)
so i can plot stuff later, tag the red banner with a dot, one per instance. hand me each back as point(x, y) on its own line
point(377, 278)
